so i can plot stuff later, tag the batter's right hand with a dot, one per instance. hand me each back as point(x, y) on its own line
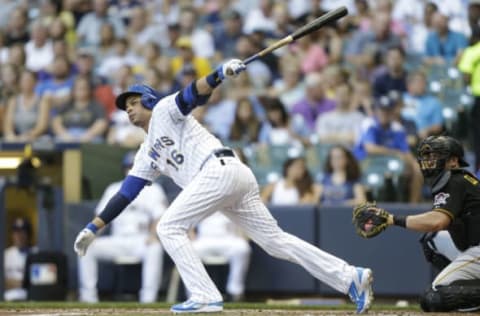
point(83, 240)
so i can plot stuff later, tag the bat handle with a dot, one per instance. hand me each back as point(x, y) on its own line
point(250, 59)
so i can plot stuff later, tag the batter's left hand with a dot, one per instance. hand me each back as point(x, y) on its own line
point(232, 68)
point(83, 240)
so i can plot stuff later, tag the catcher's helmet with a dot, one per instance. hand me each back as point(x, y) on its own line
point(434, 151)
point(149, 97)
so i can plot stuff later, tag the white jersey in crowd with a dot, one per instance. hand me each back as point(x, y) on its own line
point(137, 217)
point(176, 145)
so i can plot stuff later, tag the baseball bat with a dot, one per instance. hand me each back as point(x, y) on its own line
point(304, 30)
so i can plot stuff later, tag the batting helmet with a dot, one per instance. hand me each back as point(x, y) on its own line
point(434, 151)
point(149, 96)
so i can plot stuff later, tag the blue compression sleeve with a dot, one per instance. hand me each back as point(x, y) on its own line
point(188, 98)
point(131, 187)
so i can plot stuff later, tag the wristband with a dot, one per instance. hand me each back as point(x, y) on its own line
point(215, 78)
point(400, 221)
point(92, 227)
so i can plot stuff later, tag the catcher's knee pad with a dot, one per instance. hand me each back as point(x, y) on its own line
point(460, 295)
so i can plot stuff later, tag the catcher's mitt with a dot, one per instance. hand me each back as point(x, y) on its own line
point(369, 220)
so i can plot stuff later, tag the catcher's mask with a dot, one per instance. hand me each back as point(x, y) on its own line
point(434, 151)
point(149, 96)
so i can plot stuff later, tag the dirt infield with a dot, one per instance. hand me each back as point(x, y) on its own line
point(232, 312)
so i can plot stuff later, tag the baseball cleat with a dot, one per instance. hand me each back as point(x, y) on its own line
point(194, 307)
point(360, 290)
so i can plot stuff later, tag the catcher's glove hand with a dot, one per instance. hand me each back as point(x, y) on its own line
point(369, 220)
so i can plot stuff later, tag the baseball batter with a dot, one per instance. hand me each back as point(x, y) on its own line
point(212, 179)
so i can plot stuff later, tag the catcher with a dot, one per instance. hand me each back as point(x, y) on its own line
point(456, 208)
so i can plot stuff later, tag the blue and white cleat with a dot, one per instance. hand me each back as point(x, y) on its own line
point(360, 291)
point(194, 307)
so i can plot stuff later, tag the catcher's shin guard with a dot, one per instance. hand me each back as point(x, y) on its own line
point(459, 296)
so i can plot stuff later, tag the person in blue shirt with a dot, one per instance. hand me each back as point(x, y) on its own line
point(443, 45)
point(424, 109)
point(384, 135)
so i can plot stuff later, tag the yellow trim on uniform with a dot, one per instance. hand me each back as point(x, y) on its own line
point(457, 268)
point(444, 211)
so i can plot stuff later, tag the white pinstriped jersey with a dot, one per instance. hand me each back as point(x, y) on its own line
point(176, 145)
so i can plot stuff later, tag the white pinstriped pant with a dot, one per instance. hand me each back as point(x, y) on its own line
point(232, 188)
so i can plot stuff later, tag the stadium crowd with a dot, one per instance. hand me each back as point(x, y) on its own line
point(373, 82)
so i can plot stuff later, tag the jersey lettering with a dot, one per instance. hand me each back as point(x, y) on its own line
point(153, 154)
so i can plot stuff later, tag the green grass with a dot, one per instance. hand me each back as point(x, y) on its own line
point(134, 305)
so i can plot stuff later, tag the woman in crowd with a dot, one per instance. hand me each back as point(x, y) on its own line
point(246, 125)
point(341, 182)
point(295, 187)
point(84, 120)
point(27, 113)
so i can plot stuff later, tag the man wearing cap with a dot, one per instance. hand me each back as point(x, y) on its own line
point(132, 236)
point(455, 216)
point(15, 258)
point(186, 56)
point(384, 135)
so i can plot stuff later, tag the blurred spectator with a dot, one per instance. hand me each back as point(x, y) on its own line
point(295, 187)
point(39, 49)
point(15, 258)
point(315, 103)
point(334, 75)
point(227, 33)
point(27, 113)
point(331, 39)
point(9, 76)
point(289, 88)
point(124, 9)
point(364, 46)
point(17, 55)
point(276, 129)
point(141, 30)
point(258, 71)
point(246, 126)
point(313, 56)
point(362, 19)
point(59, 87)
point(469, 65)
point(341, 182)
point(83, 120)
point(220, 113)
point(106, 46)
point(261, 18)
point(202, 42)
point(424, 109)
point(132, 235)
point(217, 236)
point(186, 56)
point(122, 79)
point(442, 44)
point(362, 99)
point(122, 55)
point(8, 6)
point(416, 16)
point(343, 124)
point(383, 135)
point(88, 29)
point(57, 30)
point(173, 34)
point(395, 76)
point(474, 16)
point(17, 27)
